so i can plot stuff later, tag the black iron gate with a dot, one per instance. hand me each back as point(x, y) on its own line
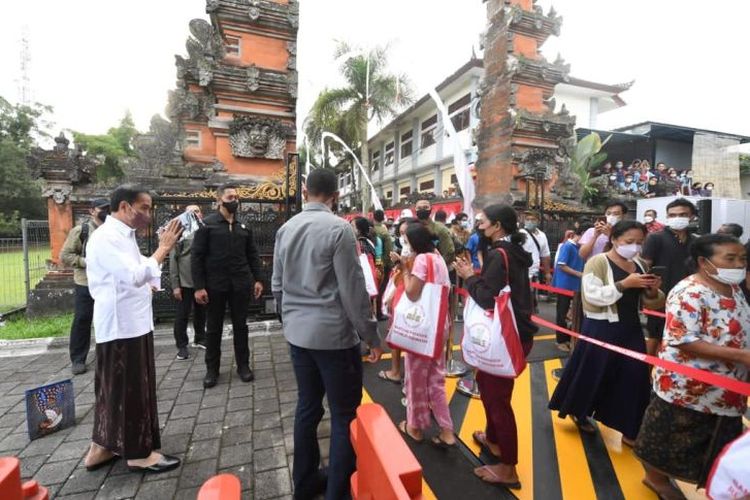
point(262, 208)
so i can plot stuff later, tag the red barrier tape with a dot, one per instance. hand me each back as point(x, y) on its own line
point(568, 293)
point(701, 375)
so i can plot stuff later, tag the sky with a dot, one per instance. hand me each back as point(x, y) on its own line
point(92, 60)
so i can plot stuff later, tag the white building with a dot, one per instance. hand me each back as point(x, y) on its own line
point(411, 153)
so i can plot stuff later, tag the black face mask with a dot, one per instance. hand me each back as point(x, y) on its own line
point(102, 215)
point(423, 214)
point(231, 206)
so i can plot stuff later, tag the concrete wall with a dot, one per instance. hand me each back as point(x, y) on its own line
point(713, 163)
point(674, 154)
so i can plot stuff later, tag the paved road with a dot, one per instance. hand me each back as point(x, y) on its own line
point(245, 429)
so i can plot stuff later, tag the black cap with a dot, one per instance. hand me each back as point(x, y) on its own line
point(100, 203)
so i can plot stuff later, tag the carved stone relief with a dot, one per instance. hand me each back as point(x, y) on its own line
point(252, 137)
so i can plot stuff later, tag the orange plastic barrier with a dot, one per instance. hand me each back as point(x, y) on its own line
point(10, 483)
point(221, 487)
point(386, 467)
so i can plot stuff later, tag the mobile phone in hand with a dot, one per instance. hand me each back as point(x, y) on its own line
point(659, 271)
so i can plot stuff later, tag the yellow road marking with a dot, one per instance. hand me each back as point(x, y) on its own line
point(474, 420)
point(575, 478)
point(427, 492)
point(522, 408)
point(628, 469)
point(544, 337)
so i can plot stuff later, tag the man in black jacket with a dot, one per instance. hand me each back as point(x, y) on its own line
point(225, 265)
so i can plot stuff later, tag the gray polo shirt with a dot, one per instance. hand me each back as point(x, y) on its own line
point(319, 283)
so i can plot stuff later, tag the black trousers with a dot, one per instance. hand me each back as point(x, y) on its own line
point(238, 301)
point(80, 330)
point(561, 317)
point(184, 307)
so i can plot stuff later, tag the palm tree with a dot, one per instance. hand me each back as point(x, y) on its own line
point(371, 93)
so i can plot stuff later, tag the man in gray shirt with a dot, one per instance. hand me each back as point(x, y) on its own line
point(325, 309)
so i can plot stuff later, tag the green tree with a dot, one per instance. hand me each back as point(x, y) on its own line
point(114, 146)
point(21, 126)
point(371, 92)
point(586, 159)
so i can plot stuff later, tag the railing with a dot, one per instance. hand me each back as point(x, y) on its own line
point(23, 263)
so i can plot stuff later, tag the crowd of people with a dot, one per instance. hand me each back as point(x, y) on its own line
point(613, 269)
point(642, 180)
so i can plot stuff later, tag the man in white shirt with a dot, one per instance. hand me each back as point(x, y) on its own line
point(538, 246)
point(121, 281)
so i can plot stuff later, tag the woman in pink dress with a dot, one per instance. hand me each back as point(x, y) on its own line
point(425, 377)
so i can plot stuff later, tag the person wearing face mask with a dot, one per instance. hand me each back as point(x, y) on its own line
point(669, 249)
point(319, 288)
point(649, 220)
point(611, 388)
point(537, 245)
point(423, 209)
point(121, 281)
point(708, 190)
point(402, 261)
point(594, 241)
point(73, 254)
point(499, 223)
point(226, 271)
point(688, 422)
point(181, 279)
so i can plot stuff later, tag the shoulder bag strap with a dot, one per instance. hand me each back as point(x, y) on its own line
point(507, 265)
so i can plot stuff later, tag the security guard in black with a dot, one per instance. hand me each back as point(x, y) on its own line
point(226, 271)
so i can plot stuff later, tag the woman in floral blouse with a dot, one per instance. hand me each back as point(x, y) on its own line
point(688, 422)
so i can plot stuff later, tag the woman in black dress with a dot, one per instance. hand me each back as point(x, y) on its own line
point(597, 382)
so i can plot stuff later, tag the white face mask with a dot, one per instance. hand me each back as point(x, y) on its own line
point(628, 252)
point(728, 276)
point(678, 223)
point(405, 247)
point(613, 219)
point(648, 219)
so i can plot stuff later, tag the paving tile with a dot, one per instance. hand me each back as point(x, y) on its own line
point(266, 406)
point(116, 487)
point(212, 400)
point(43, 446)
point(272, 484)
point(69, 450)
point(239, 404)
point(235, 435)
point(30, 465)
point(57, 472)
point(187, 494)
point(230, 456)
point(270, 458)
point(179, 426)
point(246, 476)
point(14, 442)
point(266, 421)
point(266, 393)
point(196, 473)
point(201, 450)
point(268, 438)
point(157, 490)
point(174, 444)
point(238, 418)
point(184, 411)
point(207, 431)
point(189, 397)
point(211, 415)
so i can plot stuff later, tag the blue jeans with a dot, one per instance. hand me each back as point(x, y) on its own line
point(336, 374)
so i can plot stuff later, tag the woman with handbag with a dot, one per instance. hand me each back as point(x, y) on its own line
point(597, 382)
point(425, 376)
point(505, 262)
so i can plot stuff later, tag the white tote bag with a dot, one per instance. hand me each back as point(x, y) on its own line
point(730, 474)
point(368, 269)
point(491, 343)
point(419, 327)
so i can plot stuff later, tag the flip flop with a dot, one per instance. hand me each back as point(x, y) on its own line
point(383, 375)
point(514, 485)
point(480, 438)
point(103, 463)
point(584, 425)
point(438, 442)
point(404, 431)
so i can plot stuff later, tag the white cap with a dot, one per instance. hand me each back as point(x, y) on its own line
point(406, 213)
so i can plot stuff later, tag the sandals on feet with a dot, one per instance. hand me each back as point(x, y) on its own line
point(101, 464)
point(383, 375)
point(443, 445)
point(494, 479)
point(405, 431)
point(480, 438)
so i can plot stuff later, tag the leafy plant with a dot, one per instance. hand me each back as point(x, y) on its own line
point(587, 158)
point(115, 146)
